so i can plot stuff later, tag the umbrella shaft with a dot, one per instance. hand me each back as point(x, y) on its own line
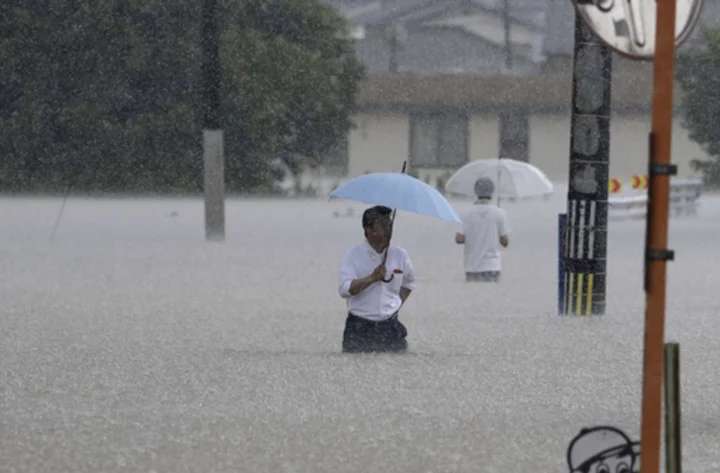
point(392, 221)
point(392, 224)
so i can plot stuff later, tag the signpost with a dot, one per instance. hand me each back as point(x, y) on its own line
point(650, 29)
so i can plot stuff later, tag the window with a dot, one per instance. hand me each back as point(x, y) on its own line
point(438, 140)
point(514, 134)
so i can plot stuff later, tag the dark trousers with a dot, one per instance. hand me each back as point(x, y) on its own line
point(484, 276)
point(364, 336)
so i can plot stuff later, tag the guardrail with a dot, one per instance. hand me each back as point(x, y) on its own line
point(684, 195)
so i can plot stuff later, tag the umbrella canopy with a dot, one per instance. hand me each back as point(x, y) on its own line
point(512, 178)
point(397, 191)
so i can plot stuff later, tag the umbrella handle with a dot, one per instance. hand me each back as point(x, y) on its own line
point(390, 279)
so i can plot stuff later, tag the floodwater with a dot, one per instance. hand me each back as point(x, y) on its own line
point(129, 344)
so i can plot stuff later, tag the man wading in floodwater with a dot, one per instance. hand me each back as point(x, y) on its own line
point(372, 323)
point(484, 233)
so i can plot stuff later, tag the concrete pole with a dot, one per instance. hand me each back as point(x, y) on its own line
point(214, 184)
point(508, 45)
point(213, 154)
point(585, 248)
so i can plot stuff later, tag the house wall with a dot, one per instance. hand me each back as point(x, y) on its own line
point(381, 143)
point(550, 146)
point(483, 143)
point(484, 137)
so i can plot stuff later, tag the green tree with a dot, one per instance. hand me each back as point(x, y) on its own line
point(105, 94)
point(297, 65)
point(698, 73)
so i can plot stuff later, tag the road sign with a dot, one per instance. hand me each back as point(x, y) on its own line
point(628, 26)
point(639, 181)
point(614, 186)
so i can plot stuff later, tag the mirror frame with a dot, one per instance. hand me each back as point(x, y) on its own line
point(684, 35)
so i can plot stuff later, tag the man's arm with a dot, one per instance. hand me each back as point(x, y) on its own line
point(350, 283)
point(347, 276)
point(408, 284)
point(404, 294)
point(359, 285)
point(504, 241)
point(460, 237)
point(502, 231)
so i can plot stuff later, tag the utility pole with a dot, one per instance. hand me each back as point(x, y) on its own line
point(213, 154)
point(585, 242)
point(397, 40)
point(508, 45)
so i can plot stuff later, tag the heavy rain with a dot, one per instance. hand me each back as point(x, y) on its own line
point(172, 260)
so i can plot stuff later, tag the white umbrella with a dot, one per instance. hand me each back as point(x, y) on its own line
point(513, 179)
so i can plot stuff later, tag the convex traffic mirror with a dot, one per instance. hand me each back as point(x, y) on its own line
point(628, 26)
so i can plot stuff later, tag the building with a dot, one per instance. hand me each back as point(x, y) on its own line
point(457, 80)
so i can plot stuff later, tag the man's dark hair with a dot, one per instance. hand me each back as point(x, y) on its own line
point(373, 214)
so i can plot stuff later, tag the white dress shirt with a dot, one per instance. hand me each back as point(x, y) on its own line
point(380, 300)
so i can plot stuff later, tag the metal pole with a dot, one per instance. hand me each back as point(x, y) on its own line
point(586, 249)
point(656, 253)
point(673, 429)
point(213, 154)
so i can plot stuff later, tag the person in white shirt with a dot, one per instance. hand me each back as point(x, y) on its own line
point(373, 300)
point(484, 233)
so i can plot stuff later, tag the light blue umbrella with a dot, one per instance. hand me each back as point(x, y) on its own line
point(397, 191)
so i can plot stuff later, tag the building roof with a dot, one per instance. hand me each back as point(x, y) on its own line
point(373, 12)
point(553, 19)
point(631, 90)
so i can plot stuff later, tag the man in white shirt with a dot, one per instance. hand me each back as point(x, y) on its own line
point(373, 300)
point(484, 232)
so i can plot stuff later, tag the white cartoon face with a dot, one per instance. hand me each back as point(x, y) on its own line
point(618, 464)
point(602, 449)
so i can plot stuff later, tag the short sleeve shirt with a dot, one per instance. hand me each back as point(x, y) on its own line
point(483, 225)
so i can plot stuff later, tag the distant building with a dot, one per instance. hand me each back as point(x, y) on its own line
point(447, 85)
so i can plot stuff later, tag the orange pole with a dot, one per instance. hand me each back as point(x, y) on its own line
point(657, 237)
